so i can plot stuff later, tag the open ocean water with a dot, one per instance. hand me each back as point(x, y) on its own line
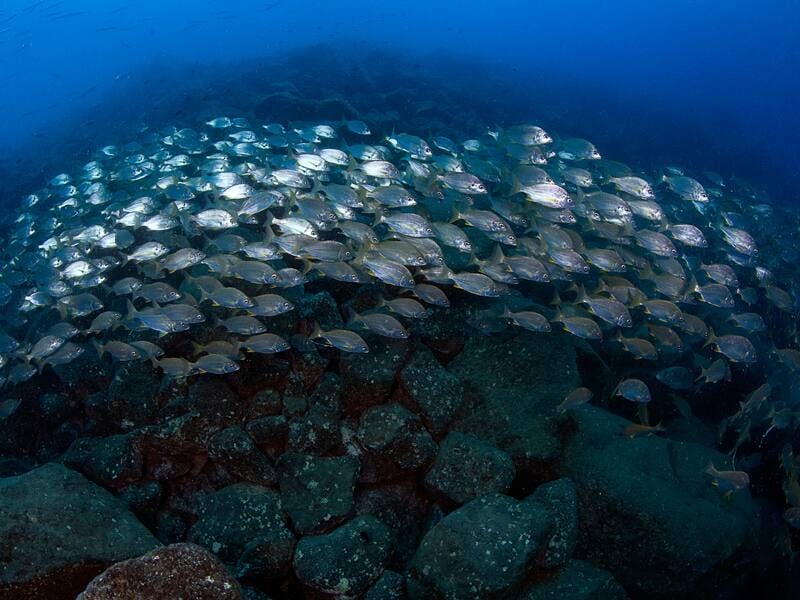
point(413, 300)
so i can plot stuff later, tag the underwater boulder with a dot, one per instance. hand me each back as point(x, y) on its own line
point(578, 580)
point(395, 441)
point(649, 513)
point(233, 517)
point(514, 386)
point(561, 499)
point(110, 461)
point(269, 433)
point(390, 586)
point(403, 508)
point(467, 467)
point(234, 450)
point(430, 390)
point(175, 571)
point(345, 562)
point(368, 379)
point(130, 400)
point(56, 507)
point(483, 550)
point(317, 493)
point(316, 432)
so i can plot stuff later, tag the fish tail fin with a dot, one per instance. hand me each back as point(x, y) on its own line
point(131, 310)
point(362, 253)
point(712, 337)
point(582, 296)
point(380, 217)
point(710, 469)
point(497, 255)
point(98, 348)
point(316, 332)
point(307, 266)
point(455, 215)
point(352, 317)
point(602, 287)
point(62, 310)
point(556, 301)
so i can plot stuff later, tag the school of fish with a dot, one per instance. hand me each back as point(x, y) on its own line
point(202, 227)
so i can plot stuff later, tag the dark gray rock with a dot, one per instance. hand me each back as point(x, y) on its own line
point(328, 393)
point(143, 500)
point(404, 509)
point(176, 571)
point(368, 379)
point(178, 446)
point(131, 399)
point(316, 432)
point(431, 391)
point(467, 467)
point(561, 499)
point(20, 425)
point(578, 580)
point(317, 493)
point(213, 399)
point(54, 507)
point(515, 386)
point(237, 515)
point(396, 443)
point(171, 527)
point(269, 433)
point(320, 308)
point(391, 586)
point(649, 513)
point(266, 557)
point(265, 403)
point(235, 451)
point(111, 461)
point(345, 562)
point(483, 550)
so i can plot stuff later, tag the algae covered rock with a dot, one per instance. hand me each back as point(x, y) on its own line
point(391, 586)
point(368, 379)
point(649, 514)
point(561, 499)
point(345, 562)
point(176, 571)
point(467, 467)
point(515, 386)
point(430, 390)
point(404, 508)
point(578, 580)
point(395, 440)
point(485, 549)
point(110, 461)
point(235, 451)
point(316, 492)
point(235, 516)
point(53, 507)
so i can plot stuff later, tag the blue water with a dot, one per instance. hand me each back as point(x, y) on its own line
point(713, 84)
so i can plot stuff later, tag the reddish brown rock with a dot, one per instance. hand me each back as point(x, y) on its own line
point(176, 571)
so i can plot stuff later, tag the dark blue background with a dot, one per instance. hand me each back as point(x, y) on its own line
point(706, 84)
